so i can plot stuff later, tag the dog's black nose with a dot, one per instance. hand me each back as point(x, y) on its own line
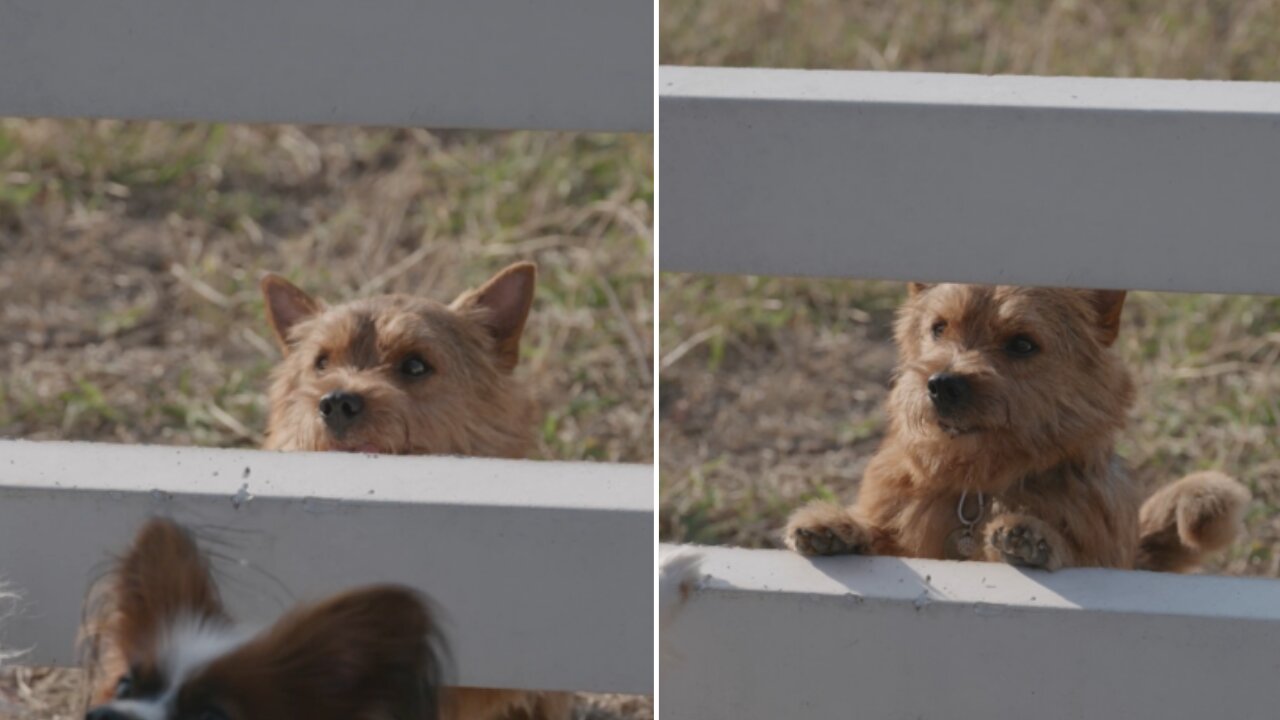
point(340, 409)
point(948, 391)
point(106, 712)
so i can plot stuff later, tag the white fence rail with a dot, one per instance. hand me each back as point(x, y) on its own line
point(759, 634)
point(543, 570)
point(1138, 184)
point(548, 65)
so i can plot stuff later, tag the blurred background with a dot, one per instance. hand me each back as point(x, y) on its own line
point(130, 255)
point(770, 389)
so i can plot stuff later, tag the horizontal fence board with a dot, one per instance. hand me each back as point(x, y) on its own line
point(543, 570)
point(1079, 182)
point(491, 64)
point(755, 634)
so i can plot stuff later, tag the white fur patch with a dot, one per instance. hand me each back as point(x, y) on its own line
point(188, 646)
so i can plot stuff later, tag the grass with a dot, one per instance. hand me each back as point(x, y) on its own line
point(770, 389)
point(1226, 39)
point(130, 255)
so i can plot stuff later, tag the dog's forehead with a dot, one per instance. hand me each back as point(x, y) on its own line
point(1020, 304)
point(1057, 307)
point(390, 316)
point(1002, 305)
point(413, 315)
point(965, 303)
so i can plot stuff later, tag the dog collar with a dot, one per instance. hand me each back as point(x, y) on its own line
point(962, 543)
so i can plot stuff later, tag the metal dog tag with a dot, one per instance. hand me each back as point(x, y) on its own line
point(962, 543)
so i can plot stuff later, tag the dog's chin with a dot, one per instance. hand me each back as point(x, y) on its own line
point(953, 429)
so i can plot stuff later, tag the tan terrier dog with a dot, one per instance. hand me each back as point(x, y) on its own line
point(1001, 445)
point(404, 375)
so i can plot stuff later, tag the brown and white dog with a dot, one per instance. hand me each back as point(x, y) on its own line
point(162, 647)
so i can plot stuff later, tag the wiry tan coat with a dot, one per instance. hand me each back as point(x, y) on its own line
point(470, 403)
point(1034, 441)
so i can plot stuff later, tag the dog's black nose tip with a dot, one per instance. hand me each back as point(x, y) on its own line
point(340, 409)
point(948, 391)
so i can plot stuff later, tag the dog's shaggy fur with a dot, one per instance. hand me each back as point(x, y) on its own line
point(160, 644)
point(1005, 408)
point(466, 401)
point(461, 397)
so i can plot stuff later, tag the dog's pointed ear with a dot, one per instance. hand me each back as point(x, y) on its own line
point(286, 307)
point(916, 288)
point(1108, 304)
point(163, 578)
point(507, 298)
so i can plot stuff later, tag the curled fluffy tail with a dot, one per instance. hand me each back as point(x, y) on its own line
point(1187, 520)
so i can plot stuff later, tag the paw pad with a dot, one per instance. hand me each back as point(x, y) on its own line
point(1021, 545)
point(822, 541)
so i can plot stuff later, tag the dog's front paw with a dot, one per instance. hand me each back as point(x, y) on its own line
point(825, 529)
point(1026, 541)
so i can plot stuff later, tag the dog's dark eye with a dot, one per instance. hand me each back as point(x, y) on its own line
point(124, 687)
point(322, 361)
point(939, 328)
point(1021, 346)
point(415, 367)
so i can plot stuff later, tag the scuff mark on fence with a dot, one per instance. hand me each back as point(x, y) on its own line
point(242, 497)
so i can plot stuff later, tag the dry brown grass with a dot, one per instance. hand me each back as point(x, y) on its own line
point(770, 389)
point(1228, 39)
point(130, 255)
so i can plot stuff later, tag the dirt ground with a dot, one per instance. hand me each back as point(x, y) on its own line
point(130, 255)
point(770, 389)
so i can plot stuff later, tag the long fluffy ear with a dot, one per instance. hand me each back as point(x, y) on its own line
point(915, 288)
point(1108, 304)
point(372, 652)
point(162, 578)
point(507, 297)
point(286, 307)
